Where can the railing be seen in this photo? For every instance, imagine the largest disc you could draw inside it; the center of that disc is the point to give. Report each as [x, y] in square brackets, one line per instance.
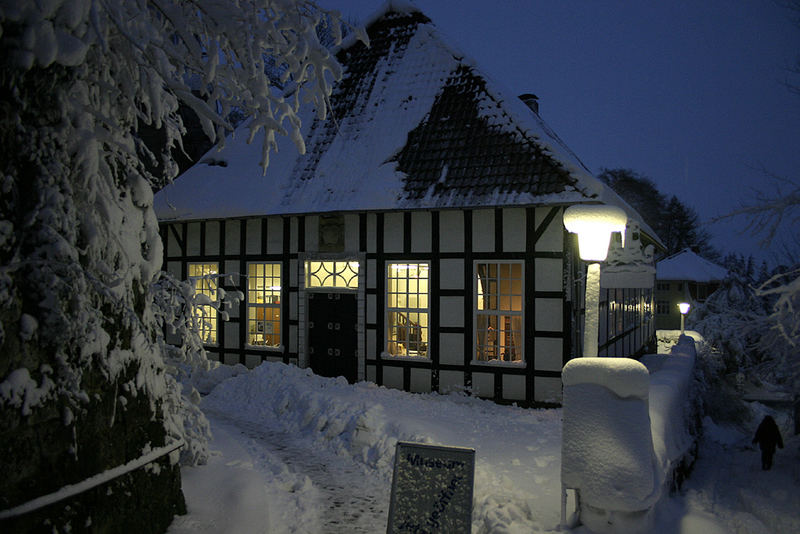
[70, 490]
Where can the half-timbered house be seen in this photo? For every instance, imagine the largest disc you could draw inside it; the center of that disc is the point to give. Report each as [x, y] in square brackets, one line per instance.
[418, 243]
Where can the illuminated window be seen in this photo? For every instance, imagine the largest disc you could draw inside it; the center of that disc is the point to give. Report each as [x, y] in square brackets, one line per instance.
[204, 278]
[264, 304]
[407, 309]
[498, 313]
[341, 274]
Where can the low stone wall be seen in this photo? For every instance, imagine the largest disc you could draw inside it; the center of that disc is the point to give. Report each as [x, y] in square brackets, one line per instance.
[629, 431]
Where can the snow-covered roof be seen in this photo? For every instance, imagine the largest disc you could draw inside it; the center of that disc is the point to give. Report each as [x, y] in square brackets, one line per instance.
[686, 265]
[414, 124]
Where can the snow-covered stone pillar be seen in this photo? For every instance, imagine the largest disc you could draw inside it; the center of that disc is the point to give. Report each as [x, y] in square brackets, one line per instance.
[607, 453]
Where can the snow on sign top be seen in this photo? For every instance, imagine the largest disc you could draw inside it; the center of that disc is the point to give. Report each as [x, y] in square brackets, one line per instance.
[413, 125]
[686, 265]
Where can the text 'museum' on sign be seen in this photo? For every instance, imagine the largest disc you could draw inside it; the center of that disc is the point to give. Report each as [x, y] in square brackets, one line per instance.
[431, 489]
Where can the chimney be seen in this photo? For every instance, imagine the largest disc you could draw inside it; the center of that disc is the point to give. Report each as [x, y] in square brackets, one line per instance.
[531, 100]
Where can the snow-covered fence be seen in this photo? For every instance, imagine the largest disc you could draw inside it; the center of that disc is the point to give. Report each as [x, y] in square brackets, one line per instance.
[627, 435]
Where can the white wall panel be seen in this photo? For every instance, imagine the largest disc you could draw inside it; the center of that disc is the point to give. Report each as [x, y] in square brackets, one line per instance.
[549, 353]
[514, 234]
[421, 231]
[451, 231]
[483, 231]
[451, 349]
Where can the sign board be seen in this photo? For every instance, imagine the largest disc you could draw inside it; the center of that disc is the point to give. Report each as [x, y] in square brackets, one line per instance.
[431, 489]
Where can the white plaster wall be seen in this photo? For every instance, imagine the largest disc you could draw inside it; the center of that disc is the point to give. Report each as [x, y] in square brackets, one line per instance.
[483, 384]
[173, 249]
[549, 273]
[253, 236]
[293, 233]
[275, 235]
[552, 240]
[193, 239]
[372, 315]
[174, 268]
[312, 233]
[451, 349]
[549, 353]
[547, 389]
[393, 377]
[294, 269]
[252, 360]
[421, 231]
[371, 232]
[451, 274]
[213, 356]
[231, 334]
[549, 315]
[371, 373]
[451, 231]
[293, 305]
[351, 232]
[371, 348]
[372, 275]
[393, 232]
[451, 311]
[451, 381]
[230, 359]
[483, 231]
[514, 387]
[232, 237]
[420, 380]
[514, 234]
[212, 237]
[292, 341]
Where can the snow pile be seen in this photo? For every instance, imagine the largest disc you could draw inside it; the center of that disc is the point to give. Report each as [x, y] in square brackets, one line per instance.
[516, 472]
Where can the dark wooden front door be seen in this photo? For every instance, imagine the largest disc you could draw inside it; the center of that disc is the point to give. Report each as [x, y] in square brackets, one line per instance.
[332, 340]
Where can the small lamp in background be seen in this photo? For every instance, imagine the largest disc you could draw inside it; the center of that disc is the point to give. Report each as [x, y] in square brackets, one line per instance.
[594, 224]
[684, 309]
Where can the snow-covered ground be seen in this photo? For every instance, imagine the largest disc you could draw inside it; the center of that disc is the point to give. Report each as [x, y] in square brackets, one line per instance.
[298, 453]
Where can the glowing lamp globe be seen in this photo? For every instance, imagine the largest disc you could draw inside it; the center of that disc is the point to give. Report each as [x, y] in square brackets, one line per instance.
[684, 308]
[594, 224]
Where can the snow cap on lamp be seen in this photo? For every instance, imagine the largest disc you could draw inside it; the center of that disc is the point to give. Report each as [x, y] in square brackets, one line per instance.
[594, 224]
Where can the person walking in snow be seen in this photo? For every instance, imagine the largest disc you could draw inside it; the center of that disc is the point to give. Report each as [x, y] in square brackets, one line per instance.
[768, 436]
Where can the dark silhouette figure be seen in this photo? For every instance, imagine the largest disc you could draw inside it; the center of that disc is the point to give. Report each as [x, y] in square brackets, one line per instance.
[768, 436]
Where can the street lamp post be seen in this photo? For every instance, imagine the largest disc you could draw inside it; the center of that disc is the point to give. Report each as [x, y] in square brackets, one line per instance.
[684, 309]
[594, 224]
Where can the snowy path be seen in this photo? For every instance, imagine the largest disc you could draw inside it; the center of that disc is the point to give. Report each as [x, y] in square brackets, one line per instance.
[347, 498]
[729, 483]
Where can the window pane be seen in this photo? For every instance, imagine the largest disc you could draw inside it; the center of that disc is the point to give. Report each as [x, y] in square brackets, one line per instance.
[498, 311]
[407, 309]
[264, 304]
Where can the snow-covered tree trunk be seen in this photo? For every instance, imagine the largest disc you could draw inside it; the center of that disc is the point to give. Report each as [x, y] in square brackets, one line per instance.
[83, 387]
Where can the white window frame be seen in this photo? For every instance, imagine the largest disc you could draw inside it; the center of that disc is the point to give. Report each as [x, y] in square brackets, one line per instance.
[253, 306]
[476, 313]
[407, 311]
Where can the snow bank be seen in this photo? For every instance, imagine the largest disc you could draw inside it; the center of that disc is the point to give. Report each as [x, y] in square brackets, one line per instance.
[515, 485]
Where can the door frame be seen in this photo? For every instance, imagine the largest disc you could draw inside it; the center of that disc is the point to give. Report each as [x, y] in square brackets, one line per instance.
[304, 360]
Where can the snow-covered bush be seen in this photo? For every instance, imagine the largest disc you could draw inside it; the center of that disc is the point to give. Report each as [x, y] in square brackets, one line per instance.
[177, 310]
